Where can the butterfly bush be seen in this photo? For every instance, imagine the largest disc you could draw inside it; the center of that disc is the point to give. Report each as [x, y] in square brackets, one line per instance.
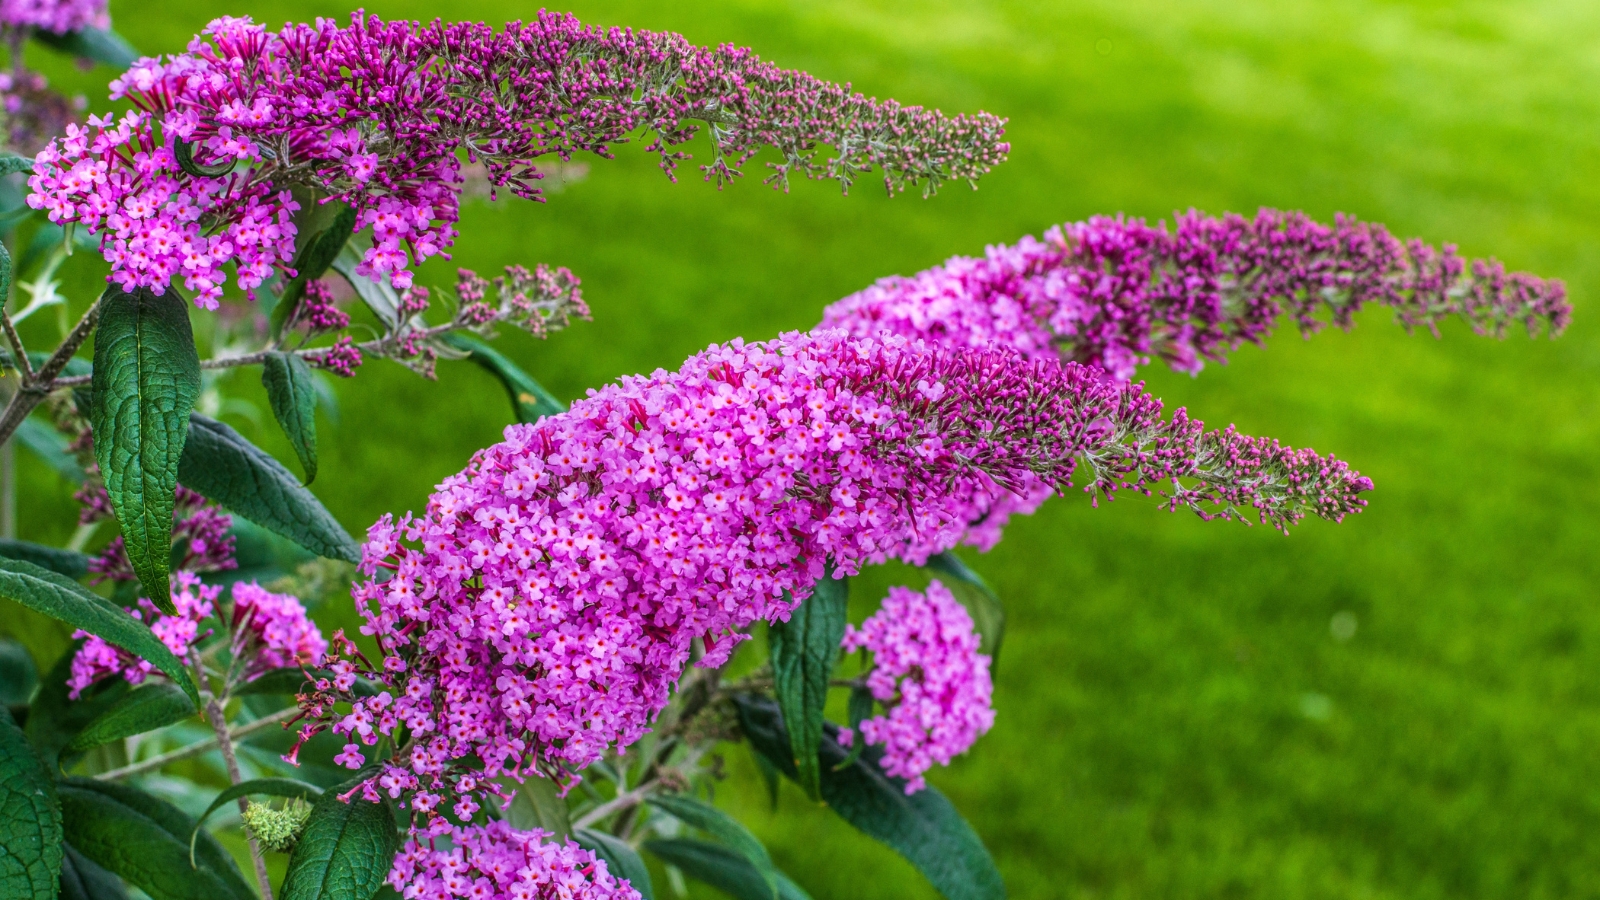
[54, 16]
[928, 673]
[206, 170]
[545, 603]
[199, 527]
[496, 862]
[272, 631]
[1110, 292]
[97, 658]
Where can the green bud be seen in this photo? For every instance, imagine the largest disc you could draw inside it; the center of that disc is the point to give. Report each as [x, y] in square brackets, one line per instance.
[277, 829]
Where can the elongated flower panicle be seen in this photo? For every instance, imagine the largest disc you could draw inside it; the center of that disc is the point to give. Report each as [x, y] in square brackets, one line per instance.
[927, 671]
[272, 631]
[373, 114]
[496, 862]
[54, 16]
[561, 577]
[1111, 292]
[97, 658]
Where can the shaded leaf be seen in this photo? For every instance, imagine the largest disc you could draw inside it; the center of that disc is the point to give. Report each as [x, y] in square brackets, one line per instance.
[537, 804]
[529, 399]
[860, 710]
[99, 44]
[30, 820]
[84, 879]
[11, 164]
[293, 681]
[969, 588]
[146, 378]
[18, 675]
[723, 869]
[724, 828]
[53, 718]
[312, 262]
[345, 851]
[145, 708]
[621, 859]
[220, 464]
[69, 563]
[803, 651]
[769, 777]
[923, 827]
[45, 443]
[145, 840]
[59, 597]
[293, 395]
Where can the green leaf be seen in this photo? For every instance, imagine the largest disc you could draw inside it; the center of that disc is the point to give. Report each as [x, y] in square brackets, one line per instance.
[220, 464]
[377, 295]
[312, 262]
[11, 164]
[146, 378]
[145, 840]
[860, 710]
[723, 869]
[18, 675]
[803, 650]
[293, 395]
[145, 708]
[969, 588]
[53, 718]
[58, 597]
[293, 681]
[922, 827]
[98, 44]
[51, 448]
[83, 879]
[621, 859]
[69, 563]
[345, 851]
[272, 787]
[537, 804]
[30, 819]
[724, 828]
[529, 399]
[769, 777]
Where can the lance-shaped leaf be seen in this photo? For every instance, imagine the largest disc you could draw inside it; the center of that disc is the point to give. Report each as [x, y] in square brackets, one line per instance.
[621, 859]
[292, 391]
[70, 563]
[145, 708]
[11, 164]
[54, 718]
[803, 651]
[99, 44]
[145, 840]
[18, 675]
[537, 804]
[377, 295]
[146, 378]
[30, 820]
[345, 851]
[971, 591]
[723, 869]
[45, 443]
[724, 828]
[84, 879]
[220, 464]
[923, 827]
[313, 260]
[61, 598]
[529, 399]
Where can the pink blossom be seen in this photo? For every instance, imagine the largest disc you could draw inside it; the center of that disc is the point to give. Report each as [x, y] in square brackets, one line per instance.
[97, 659]
[54, 16]
[272, 631]
[928, 673]
[495, 862]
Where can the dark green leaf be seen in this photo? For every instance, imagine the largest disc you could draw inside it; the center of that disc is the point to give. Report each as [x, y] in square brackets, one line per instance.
[18, 675]
[54, 718]
[293, 396]
[345, 851]
[922, 827]
[11, 164]
[272, 787]
[45, 443]
[529, 399]
[313, 260]
[183, 152]
[803, 651]
[536, 804]
[98, 44]
[145, 708]
[724, 828]
[969, 588]
[145, 840]
[30, 820]
[723, 869]
[58, 597]
[83, 879]
[219, 463]
[146, 378]
[860, 711]
[621, 860]
[293, 681]
[769, 777]
[70, 563]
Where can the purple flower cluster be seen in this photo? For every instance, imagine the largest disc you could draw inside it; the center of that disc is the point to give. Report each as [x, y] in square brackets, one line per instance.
[556, 584]
[1110, 292]
[32, 112]
[272, 631]
[54, 16]
[374, 113]
[495, 862]
[199, 529]
[928, 673]
[97, 659]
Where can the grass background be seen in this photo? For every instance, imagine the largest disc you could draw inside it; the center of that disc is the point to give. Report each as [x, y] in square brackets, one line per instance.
[1175, 717]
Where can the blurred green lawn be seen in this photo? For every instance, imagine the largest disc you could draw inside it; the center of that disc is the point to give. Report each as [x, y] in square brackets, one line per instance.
[1176, 718]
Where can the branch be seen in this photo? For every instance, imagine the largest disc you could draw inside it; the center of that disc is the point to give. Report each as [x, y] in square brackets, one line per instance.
[37, 386]
[198, 747]
[17, 350]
